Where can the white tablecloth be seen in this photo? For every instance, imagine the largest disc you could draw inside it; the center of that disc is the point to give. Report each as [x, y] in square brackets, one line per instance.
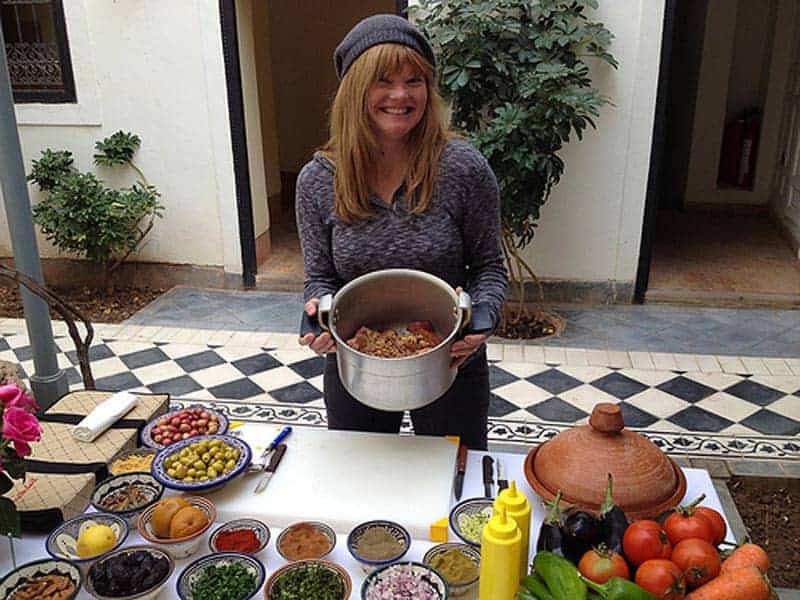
[32, 547]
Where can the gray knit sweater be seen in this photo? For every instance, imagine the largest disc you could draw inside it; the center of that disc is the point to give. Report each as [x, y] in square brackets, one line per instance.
[457, 238]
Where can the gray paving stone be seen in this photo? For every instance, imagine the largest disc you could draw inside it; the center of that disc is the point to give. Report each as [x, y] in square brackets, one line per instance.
[755, 468]
[738, 529]
[716, 468]
[791, 468]
[787, 594]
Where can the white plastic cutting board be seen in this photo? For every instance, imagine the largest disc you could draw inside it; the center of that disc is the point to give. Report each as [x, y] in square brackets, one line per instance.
[344, 478]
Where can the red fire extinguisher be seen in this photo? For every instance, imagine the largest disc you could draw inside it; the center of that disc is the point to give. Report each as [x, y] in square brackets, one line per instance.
[737, 163]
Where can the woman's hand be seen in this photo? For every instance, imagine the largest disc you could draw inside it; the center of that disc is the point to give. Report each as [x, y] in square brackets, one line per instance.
[462, 349]
[323, 343]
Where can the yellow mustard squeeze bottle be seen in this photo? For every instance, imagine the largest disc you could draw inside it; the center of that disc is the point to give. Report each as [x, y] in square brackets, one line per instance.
[501, 544]
[519, 509]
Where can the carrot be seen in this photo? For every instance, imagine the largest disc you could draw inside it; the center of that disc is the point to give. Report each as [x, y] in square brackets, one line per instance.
[747, 583]
[747, 555]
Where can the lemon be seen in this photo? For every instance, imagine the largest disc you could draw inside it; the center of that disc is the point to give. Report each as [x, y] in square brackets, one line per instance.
[95, 540]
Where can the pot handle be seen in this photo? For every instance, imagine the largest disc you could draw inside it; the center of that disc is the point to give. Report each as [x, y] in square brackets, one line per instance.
[319, 321]
[464, 310]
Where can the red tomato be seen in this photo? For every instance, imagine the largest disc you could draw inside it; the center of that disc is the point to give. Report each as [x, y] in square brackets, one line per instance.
[645, 540]
[600, 565]
[716, 520]
[662, 578]
[682, 525]
[698, 560]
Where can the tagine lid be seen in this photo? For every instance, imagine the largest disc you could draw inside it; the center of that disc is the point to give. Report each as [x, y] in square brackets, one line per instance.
[577, 461]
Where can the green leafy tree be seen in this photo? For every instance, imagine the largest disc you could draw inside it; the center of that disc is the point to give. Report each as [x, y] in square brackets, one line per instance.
[79, 214]
[516, 76]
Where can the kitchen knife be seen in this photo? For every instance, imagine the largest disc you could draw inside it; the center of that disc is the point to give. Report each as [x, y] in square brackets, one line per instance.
[502, 482]
[461, 467]
[269, 471]
[487, 475]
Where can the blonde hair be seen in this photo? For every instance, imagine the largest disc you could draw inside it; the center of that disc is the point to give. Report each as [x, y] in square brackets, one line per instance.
[352, 145]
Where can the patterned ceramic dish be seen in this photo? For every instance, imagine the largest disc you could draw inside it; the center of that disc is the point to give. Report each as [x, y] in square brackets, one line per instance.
[147, 594]
[27, 573]
[177, 547]
[395, 530]
[117, 465]
[194, 571]
[147, 431]
[431, 578]
[273, 583]
[63, 540]
[159, 468]
[320, 527]
[472, 553]
[144, 484]
[258, 527]
[467, 509]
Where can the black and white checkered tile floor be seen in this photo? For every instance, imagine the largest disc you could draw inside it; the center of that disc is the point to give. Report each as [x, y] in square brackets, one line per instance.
[697, 413]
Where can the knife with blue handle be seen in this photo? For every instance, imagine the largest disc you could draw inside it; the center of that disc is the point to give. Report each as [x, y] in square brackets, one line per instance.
[278, 439]
[269, 470]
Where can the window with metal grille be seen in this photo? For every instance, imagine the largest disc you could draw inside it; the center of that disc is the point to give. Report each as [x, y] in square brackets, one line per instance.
[37, 50]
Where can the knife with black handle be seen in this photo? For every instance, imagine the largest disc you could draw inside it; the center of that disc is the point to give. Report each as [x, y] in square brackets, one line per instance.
[461, 468]
[488, 469]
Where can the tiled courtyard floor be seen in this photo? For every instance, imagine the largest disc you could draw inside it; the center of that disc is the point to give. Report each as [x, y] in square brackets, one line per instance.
[711, 405]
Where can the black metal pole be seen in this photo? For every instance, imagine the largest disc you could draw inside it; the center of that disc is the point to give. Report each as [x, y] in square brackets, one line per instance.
[48, 383]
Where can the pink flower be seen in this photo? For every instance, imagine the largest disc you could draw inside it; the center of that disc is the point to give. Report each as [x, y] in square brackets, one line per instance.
[23, 449]
[12, 395]
[20, 426]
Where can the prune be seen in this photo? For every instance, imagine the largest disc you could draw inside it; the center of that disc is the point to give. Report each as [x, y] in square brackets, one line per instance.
[128, 574]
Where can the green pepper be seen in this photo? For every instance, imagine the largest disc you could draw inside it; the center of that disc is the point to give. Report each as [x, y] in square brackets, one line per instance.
[524, 594]
[535, 584]
[560, 575]
[618, 588]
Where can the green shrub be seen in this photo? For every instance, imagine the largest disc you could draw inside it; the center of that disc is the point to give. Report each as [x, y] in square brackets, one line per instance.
[79, 214]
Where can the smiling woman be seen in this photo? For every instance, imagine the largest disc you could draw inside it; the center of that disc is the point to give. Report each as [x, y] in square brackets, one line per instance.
[395, 188]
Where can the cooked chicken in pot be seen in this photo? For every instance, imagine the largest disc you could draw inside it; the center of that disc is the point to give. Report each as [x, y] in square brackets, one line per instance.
[418, 337]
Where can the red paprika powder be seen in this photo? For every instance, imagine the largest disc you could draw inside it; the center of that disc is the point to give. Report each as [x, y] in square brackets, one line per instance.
[237, 540]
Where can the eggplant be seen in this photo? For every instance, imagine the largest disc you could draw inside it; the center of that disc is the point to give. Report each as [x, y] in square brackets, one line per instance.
[582, 531]
[612, 520]
[551, 537]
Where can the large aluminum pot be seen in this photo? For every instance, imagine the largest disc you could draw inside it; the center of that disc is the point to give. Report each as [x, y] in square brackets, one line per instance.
[391, 299]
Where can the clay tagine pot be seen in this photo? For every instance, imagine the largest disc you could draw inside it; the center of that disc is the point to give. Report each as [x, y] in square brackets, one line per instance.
[577, 461]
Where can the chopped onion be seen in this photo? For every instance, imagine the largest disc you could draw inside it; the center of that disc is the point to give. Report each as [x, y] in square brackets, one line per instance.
[403, 581]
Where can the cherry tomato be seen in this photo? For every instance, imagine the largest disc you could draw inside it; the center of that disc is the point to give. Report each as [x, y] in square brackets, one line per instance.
[662, 578]
[601, 564]
[698, 560]
[717, 522]
[682, 525]
[645, 540]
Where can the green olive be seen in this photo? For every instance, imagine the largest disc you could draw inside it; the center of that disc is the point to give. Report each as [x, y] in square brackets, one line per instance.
[212, 473]
[172, 473]
[230, 465]
[181, 471]
[191, 472]
[188, 479]
[206, 458]
[215, 443]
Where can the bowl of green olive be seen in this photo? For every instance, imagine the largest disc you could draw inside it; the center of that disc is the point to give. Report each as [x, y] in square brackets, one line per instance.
[201, 463]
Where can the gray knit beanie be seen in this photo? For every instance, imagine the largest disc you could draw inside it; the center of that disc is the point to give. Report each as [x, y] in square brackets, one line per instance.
[379, 29]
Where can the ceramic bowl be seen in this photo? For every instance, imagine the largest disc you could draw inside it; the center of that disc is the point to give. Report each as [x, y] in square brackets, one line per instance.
[261, 530]
[159, 468]
[319, 526]
[177, 547]
[274, 581]
[141, 451]
[436, 583]
[62, 541]
[472, 553]
[195, 570]
[145, 483]
[147, 594]
[23, 574]
[147, 431]
[396, 530]
[468, 507]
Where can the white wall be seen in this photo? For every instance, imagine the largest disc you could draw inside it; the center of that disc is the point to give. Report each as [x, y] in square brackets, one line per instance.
[591, 226]
[155, 68]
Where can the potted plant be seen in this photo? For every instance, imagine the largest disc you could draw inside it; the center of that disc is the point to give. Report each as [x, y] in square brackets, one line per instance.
[517, 77]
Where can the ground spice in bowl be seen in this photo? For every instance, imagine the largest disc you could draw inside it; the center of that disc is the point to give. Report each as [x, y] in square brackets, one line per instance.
[237, 540]
[457, 567]
[46, 587]
[377, 543]
[302, 541]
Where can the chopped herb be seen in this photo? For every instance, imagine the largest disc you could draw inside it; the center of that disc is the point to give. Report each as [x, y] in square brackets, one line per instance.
[226, 582]
[310, 581]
